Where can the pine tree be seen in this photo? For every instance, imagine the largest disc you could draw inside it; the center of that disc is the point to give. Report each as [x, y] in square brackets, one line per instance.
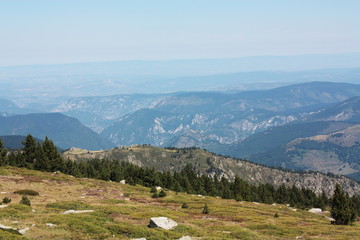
[340, 207]
[29, 151]
[3, 153]
[206, 209]
[55, 162]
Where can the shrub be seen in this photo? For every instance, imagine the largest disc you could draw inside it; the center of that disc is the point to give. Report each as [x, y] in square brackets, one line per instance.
[27, 192]
[153, 189]
[6, 200]
[162, 193]
[24, 200]
[185, 205]
[276, 215]
[69, 205]
[155, 195]
[206, 209]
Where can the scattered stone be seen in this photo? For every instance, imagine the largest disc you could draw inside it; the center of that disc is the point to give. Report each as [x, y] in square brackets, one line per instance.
[3, 206]
[162, 222]
[3, 192]
[15, 222]
[123, 182]
[33, 210]
[33, 225]
[186, 238]
[330, 219]
[158, 188]
[315, 210]
[138, 239]
[228, 232]
[50, 225]
[6, 227]
[23, 231]
[288, 205]
[274, 204]
[256, 203]
[79, 211]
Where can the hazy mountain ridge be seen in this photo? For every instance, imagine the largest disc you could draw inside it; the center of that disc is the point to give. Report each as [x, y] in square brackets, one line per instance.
[225, 118]
[65, 131]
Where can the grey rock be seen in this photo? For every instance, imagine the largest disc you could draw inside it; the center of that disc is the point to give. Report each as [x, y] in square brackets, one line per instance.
[162, 222]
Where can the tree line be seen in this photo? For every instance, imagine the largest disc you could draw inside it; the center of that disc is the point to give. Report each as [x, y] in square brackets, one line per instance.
[45, 157]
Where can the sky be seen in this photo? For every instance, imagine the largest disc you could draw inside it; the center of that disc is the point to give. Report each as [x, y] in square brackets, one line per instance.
[70, 31]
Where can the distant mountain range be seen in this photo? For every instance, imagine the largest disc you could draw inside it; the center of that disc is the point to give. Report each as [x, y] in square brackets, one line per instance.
[208, 119]
[291, 127]
[65, 131]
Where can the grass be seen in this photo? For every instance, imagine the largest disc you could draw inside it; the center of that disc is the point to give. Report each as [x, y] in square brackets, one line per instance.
[123, 212]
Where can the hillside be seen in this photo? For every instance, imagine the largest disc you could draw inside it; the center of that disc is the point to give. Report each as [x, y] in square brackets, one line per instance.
[336, 152]
[348, 110]
[118, 211]
[65, 131]
[205, 162]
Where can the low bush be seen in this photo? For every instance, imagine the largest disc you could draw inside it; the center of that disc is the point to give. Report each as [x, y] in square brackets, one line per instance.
[6, 200]
[24, 200]
[69, 205]
[27, 192]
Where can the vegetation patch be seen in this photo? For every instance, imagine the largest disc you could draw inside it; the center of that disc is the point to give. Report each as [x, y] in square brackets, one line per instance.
[27, 192]
[69, 205]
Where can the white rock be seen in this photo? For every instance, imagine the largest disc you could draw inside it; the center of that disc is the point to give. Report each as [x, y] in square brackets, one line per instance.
[6, 227]
[274, 204]
[15, 222]
[315, 210]
[3, 206]
[186, 238]
[50, 225]
[79, 211]
[23, 231]
[138, 239]
[123, 182]
[158, 188]
[256, 203]
[330, 219]
[3, 192]
[162, 222]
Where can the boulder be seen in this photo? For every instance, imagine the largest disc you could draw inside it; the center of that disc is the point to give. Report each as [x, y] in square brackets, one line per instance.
[162, 222]
[186, 238]
[315, 210]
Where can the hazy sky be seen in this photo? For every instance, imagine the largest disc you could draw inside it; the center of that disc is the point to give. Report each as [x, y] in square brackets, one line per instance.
[66, 31]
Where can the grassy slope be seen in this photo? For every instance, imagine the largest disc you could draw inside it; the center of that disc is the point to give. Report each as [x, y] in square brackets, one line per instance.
[123, 212]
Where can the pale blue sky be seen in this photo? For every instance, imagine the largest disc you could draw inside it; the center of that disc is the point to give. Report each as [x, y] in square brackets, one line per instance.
[66, 31]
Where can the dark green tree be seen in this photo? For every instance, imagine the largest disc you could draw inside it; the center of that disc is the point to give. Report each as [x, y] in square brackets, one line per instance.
[340, 207]
[3, 153]
[30, 150]
[206, 209]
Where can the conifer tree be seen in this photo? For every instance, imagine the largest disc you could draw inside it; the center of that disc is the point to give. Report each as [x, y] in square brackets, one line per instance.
[340, 207]
[206, 209]
[3, 153]
[29, 151]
